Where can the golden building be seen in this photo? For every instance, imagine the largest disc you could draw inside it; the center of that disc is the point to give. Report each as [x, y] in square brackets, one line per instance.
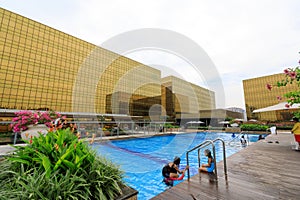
[184, 100]
[43, 68]
[258, 96]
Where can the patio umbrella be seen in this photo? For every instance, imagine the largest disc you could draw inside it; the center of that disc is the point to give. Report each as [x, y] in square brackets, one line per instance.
[224, 122]
[195, 122]
[234, 125]
[237, 119]
[279, 106]
[252, 120]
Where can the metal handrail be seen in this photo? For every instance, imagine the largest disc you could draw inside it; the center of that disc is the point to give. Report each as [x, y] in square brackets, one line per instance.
[224, 154]
[204, 144]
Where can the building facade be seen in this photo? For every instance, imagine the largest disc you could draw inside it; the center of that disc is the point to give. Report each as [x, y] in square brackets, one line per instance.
[258, 96]
[183, 100]
[43, 68]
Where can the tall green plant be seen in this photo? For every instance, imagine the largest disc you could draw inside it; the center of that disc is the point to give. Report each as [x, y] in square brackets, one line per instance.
[50, 162]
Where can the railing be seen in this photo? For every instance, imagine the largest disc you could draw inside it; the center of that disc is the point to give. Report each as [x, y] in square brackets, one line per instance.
[205, 144]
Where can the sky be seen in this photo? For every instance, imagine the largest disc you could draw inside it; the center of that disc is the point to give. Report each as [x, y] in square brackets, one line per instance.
[243, 38]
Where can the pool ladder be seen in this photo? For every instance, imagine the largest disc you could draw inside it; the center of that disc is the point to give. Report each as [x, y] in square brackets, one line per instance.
[205, 144]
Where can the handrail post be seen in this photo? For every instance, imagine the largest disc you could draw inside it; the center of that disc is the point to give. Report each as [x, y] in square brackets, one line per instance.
[224, 154]
[224, 158]
[187, 163]
[215, 158]
[199, 160]
[15, 137]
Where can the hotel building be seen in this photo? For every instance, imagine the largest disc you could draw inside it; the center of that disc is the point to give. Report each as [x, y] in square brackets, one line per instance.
[258, 96]
[183, 100]
[45, 69]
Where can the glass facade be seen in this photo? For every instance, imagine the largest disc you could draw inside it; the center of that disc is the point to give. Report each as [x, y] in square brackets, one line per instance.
[184, 99]
[43, 68]
[258, 96]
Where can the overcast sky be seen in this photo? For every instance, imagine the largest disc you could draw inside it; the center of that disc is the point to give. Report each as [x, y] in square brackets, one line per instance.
[243, 38]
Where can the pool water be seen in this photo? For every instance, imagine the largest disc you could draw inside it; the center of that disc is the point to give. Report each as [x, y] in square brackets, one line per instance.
[142, 159]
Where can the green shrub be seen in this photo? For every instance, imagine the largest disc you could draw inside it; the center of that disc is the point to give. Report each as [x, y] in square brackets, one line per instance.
[58, 166]
[253, 127]
[168, 125]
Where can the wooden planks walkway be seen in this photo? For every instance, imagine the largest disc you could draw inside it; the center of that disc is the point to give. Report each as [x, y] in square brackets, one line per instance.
[261, 171]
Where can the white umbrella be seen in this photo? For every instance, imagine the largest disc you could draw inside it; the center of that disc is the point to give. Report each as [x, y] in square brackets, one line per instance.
[195, 122]
[224, 122]
[234, 125]
[237, 119]
[252, 120]
[279, 106]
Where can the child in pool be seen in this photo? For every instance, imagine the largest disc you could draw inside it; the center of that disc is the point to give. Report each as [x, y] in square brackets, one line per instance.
[210, 166]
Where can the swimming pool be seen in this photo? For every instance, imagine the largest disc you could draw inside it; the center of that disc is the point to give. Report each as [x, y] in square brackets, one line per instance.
[143, 158]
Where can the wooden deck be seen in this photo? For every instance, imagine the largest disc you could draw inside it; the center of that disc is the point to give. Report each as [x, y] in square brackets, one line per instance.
[261, 171]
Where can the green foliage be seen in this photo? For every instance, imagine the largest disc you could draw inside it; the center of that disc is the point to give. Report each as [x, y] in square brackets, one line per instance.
[168, 125]
[58, 166]
[253, 127]
[297, 114]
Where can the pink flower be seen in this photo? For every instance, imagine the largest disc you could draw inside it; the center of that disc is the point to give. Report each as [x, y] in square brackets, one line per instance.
[292, 98]
[286, 71]
[293, 74]
[25, 118]
[269, 86]
[287, 105]
[279, 98]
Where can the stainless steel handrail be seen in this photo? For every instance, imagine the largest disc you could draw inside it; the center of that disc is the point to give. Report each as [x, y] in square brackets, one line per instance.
[224, 154]
[205, 144]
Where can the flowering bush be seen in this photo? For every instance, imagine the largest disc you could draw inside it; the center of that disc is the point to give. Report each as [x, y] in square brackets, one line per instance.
[291, 75]
[27, 117]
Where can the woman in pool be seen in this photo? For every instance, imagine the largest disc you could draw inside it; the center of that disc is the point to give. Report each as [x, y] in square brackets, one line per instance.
[172, 169]
[210, 166]
[170, 172]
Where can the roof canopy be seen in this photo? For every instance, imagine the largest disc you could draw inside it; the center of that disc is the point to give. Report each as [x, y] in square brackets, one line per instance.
[279, 106]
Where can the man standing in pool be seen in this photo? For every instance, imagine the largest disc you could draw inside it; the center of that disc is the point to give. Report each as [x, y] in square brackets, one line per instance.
[210, 166]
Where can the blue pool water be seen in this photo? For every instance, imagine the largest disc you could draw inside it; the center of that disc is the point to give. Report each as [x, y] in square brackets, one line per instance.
[143, 158]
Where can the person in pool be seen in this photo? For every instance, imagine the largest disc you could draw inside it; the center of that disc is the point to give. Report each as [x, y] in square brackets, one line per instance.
[210, 166]
[172, 169]
[171, 172]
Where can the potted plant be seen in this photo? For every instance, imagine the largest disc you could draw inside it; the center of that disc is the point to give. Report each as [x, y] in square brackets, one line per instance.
[29, 123]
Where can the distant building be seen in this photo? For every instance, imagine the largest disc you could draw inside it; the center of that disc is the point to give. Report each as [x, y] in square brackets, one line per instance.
[183, 100]
[258, 96]
[239, 110]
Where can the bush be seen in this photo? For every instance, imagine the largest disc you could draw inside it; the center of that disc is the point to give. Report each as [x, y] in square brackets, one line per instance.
[253, 127]
[58, 166]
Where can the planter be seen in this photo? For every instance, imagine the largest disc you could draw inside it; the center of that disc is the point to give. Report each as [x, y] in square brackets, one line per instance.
[34, 130]
[128, 193]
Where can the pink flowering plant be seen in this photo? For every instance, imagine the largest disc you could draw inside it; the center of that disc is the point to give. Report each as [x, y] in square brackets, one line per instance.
[26, 117]
[292, 76]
